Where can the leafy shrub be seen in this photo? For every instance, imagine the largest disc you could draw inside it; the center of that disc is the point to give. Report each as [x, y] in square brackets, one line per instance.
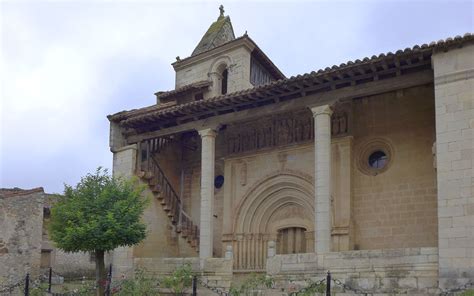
[140, 285]
[311, 289]
[469, 292]
[253, 283]
[39, 290]
[180, 280]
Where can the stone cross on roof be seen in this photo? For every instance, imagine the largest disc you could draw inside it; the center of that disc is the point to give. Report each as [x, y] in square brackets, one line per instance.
[219, 32]
[221, 9]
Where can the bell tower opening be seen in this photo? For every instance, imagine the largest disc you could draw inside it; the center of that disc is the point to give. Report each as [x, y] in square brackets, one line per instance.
[225, 75]
[291, 240]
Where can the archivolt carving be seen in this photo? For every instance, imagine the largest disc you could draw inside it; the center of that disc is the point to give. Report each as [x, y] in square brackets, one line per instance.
[284, 190]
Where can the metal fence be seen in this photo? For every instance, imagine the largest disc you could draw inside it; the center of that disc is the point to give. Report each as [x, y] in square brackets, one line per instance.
[26, 285]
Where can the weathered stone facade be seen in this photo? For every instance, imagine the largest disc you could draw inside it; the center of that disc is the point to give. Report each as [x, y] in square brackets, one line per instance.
[336, 166]
[24, 243]
[21, 218]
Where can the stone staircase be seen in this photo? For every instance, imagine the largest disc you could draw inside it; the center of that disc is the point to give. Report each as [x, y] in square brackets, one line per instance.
[149, 171]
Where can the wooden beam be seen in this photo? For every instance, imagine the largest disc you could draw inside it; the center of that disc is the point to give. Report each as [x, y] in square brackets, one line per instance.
[350, 92]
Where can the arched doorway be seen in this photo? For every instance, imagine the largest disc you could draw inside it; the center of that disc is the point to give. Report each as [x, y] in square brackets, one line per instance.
[279, 208]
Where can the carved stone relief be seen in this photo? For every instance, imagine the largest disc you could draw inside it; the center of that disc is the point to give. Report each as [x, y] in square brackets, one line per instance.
[341, 120]
[282, 129]
[277, 130]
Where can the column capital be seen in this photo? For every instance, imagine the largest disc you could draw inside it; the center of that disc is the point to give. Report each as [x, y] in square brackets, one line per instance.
[208, 132]
[322, 109]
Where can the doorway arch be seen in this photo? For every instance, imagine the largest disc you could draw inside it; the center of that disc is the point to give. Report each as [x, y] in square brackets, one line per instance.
[282, 200]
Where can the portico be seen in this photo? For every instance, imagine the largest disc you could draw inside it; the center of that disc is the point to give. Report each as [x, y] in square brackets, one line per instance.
[248, 167]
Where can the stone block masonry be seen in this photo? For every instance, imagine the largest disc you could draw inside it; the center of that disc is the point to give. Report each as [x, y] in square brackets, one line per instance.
[216, 272]
[454, 102]
[411, 271]
[21, 220]
[25, 246]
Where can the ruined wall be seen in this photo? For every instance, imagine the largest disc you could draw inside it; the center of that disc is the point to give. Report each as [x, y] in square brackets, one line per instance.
[21, 220]
[397, 207]
[72, 265]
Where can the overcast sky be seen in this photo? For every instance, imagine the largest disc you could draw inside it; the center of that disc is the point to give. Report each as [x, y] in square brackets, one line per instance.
[66, 65]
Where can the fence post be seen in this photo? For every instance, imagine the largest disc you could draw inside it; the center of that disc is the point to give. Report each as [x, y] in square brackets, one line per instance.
[49, 279]
[194, 285]
[27, 284]
[328, 284]
[109, 280]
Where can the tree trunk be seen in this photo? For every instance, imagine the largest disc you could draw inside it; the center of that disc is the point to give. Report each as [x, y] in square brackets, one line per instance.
[100, 273]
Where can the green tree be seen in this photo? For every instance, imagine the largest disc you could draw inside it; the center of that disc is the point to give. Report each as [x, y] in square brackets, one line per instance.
[98, 215]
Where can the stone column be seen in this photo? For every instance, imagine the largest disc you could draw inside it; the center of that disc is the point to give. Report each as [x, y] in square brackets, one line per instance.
[322, 177]
[208, 137]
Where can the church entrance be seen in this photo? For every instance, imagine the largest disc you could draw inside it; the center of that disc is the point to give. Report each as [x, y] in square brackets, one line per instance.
[291, 240]
[278, 209]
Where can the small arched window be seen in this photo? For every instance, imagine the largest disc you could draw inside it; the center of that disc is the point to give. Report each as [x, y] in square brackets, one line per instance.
[224, 82]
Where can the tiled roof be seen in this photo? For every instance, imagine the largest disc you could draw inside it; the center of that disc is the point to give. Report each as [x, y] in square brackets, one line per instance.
[190, 87]
[125, 114]
[157, 112]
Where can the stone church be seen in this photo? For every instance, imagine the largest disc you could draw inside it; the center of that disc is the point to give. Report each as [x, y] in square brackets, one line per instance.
[364, 168]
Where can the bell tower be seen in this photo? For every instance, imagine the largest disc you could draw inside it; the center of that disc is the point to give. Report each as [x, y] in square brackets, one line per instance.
[219, 65]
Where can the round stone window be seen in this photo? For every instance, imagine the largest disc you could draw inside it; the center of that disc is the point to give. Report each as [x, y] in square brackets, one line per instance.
[374, 156]
[378, 159]
[219, 181]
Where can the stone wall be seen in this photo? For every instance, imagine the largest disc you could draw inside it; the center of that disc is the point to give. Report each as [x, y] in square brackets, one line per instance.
[412, 271]
[72, 265]
[454, 96]
[216, 271]
[24, 241]
[265, 192]
[124, 163]
[69, 265]
[162, 240]
[237, 61]
[397, 207]
[21, 220]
